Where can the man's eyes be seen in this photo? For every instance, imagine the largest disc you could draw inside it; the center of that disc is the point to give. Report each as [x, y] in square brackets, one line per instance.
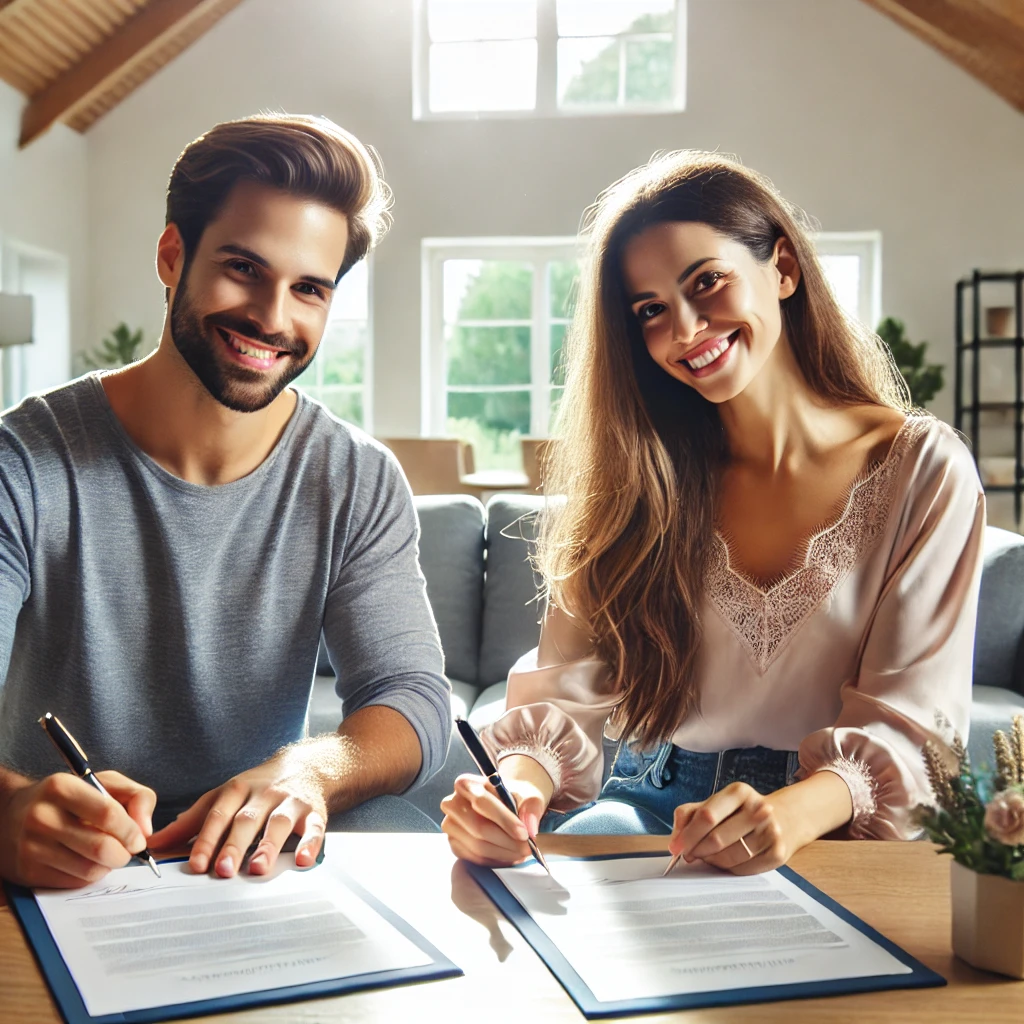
[248, 270]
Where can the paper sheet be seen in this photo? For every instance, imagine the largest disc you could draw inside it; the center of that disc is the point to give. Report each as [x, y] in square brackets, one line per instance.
[630, 934]
[134, 941]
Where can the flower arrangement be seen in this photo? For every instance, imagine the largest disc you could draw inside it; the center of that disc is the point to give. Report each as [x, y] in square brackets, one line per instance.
[979, 816]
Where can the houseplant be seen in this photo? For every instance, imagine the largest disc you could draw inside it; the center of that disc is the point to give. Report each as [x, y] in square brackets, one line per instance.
[119, 349]
[978, 818]
[924, 381]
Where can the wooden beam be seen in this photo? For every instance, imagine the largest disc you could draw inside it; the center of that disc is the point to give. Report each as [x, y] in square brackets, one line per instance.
[134, 40]
[983, 37]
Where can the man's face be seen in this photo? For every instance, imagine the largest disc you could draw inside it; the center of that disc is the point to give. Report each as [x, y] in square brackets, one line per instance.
[250, 306]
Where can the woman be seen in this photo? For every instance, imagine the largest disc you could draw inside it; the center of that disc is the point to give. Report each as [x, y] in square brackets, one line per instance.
[762, 582]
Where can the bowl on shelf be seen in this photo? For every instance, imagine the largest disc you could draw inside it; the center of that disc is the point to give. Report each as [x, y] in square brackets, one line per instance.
[999, 321]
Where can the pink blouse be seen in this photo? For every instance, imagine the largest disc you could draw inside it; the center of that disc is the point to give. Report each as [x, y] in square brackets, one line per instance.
[852, 659]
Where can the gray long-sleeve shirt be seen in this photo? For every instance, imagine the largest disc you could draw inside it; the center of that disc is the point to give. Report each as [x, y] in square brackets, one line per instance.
[174, 627]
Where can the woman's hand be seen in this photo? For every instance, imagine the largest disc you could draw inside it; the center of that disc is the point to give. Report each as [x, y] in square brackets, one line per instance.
[772, 828]
[481, 829]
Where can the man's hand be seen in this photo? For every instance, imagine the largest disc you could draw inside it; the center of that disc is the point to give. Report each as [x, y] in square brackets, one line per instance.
[281, 796]
[61, 833]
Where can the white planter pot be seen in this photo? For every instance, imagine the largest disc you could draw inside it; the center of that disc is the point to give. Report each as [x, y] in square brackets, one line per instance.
[988, 920]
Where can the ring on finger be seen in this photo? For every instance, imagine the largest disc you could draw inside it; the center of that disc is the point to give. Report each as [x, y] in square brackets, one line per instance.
[743, 843]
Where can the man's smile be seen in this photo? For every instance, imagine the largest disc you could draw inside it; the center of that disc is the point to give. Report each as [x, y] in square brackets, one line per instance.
[248, 352]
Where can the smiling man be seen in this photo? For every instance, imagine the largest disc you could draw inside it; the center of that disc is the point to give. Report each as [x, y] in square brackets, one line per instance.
[175, 535]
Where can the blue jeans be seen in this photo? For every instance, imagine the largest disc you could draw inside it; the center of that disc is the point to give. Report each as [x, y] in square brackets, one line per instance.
[642, 789]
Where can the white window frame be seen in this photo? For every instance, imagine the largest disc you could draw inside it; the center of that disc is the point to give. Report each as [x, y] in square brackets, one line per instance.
[538, 251]
[547, 74]
[868, 246]
[366, 388]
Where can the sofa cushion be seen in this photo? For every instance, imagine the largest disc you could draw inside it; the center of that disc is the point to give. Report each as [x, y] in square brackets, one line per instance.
[452, 559]
[489, 706]
[991, 708]
[512, 611]
[1000, 612]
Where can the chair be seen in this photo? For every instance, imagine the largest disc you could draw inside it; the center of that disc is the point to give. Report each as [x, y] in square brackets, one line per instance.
[432, 465]
[536, 451]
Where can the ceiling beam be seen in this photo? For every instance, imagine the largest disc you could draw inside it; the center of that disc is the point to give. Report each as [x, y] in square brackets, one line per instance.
[984, 37]
[137, 37]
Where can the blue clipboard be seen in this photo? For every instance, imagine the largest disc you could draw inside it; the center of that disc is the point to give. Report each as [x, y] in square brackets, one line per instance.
[595, 1009]
[73, 1010]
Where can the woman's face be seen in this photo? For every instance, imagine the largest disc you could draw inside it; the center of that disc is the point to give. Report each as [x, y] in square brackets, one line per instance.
[709, 312]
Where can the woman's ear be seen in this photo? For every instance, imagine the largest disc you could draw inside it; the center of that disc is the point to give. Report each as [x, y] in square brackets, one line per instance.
[170, 256]
[785, 262]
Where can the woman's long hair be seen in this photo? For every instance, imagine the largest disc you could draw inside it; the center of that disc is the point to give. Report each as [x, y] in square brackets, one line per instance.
[640, 453]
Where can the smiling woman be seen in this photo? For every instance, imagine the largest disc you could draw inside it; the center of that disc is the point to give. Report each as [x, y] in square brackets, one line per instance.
[763, 565]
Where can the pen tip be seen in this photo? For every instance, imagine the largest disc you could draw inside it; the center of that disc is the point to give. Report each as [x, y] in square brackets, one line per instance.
[152, 864]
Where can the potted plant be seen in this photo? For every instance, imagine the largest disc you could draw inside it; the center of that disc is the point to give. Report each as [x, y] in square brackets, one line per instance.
[924, 381]
[978, 818]
[119, 349]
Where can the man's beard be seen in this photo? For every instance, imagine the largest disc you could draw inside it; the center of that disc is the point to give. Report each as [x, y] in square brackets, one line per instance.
[234, 386]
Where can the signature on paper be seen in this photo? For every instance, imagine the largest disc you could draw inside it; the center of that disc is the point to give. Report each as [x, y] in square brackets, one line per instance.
[119, 890]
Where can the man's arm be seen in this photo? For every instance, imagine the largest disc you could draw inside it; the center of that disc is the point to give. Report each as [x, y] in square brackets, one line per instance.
[374, 751]
[383, 643]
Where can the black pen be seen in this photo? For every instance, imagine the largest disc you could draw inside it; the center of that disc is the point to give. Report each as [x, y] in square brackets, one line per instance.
[79, 764]
[487, 767]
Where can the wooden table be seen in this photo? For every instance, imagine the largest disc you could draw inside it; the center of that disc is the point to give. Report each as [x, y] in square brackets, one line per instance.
[902, 889]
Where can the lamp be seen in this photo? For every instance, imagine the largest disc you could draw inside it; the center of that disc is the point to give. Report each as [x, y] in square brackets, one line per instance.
[15, 319]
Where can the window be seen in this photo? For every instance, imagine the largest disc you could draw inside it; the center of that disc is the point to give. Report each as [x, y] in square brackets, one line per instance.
[501, 58]
[852, 262]
[339, 374]
[496, 312]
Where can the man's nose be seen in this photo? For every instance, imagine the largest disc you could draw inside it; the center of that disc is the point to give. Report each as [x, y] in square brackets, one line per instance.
[269, 310]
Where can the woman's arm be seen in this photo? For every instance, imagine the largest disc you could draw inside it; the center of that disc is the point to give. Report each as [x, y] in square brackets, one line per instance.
[865, 774]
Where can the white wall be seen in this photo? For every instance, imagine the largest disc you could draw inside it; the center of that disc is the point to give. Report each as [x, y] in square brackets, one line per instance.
[852, 117]
[44, 206]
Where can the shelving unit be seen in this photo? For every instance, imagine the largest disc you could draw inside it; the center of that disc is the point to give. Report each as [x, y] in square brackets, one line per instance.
[971, 346]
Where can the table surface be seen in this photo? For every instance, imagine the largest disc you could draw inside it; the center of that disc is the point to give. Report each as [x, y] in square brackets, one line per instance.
[902, 889]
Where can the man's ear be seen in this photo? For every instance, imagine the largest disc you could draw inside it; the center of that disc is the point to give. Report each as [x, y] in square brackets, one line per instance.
[785, 261]
[170, 256]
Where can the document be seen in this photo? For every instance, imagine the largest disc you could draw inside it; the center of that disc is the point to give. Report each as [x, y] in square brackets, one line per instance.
[631, 934]
[133, 941]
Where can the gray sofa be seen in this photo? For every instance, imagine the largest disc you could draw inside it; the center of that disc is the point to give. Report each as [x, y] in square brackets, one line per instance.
[484, 595]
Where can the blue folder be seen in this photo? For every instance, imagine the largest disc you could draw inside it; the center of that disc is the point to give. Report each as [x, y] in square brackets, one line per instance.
[73, 1010]
[595, 1009]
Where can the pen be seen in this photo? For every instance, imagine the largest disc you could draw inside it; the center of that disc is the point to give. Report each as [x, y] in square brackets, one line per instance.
[487, 767]
[79, 764]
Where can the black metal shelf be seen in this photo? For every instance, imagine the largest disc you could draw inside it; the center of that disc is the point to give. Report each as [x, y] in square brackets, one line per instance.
[970, 345]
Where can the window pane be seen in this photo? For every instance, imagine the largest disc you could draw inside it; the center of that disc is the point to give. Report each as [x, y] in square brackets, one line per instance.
[483, 76]
[562, 276]
[843, 274]
[488, 355]
[487, 290]
[588, 71]
[352, 296]
[453, 20]
[343, 352]
[346, 404]
[557, 341]
[610, 17]
[554, 408]
[493, 423]
[649, 71]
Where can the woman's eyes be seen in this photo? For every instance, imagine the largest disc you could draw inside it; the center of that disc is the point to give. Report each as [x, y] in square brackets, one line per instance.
[707, 279]
[649, 312]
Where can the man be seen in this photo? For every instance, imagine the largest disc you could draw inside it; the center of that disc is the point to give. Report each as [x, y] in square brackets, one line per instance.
[175, 535]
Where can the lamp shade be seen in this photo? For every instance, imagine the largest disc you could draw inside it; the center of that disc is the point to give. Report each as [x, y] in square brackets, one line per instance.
[15, 319]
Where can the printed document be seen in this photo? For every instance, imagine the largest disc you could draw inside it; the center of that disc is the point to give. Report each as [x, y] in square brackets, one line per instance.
[133, 941]
[630, 934]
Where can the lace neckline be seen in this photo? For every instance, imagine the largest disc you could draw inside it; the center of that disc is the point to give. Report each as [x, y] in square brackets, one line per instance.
[764, 618]
[832, 522]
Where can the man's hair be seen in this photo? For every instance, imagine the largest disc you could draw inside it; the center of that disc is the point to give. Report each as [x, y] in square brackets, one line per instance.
[305, 156]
